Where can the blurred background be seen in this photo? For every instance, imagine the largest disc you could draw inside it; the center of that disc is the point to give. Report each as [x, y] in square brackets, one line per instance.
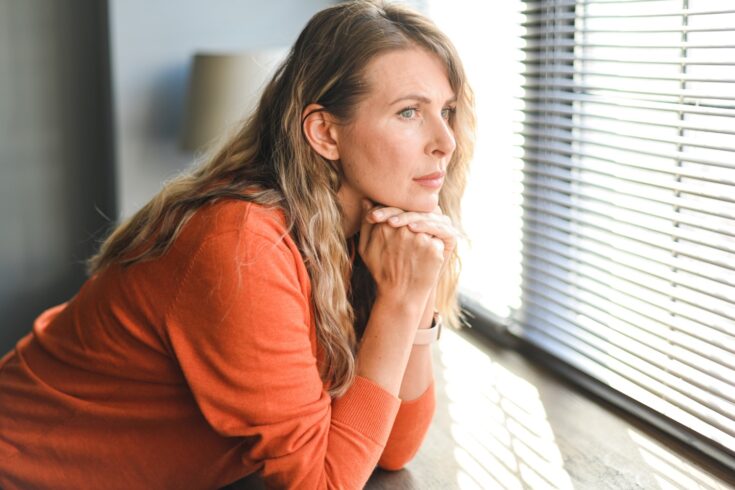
[92, 111]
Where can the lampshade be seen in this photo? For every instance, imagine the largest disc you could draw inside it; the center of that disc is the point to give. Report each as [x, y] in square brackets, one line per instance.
[223, 90]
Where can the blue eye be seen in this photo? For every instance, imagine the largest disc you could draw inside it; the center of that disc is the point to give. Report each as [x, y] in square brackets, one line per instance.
[448, 112]
[408, 113]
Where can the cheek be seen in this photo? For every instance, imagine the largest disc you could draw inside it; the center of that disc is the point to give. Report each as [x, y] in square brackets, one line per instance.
[362, 154]
[392, 150]
[380, 163]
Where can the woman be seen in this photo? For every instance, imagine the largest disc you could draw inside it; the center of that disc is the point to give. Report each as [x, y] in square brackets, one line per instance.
[272, 310]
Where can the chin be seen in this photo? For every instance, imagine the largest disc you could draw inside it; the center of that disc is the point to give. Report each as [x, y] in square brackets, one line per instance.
[425, 205]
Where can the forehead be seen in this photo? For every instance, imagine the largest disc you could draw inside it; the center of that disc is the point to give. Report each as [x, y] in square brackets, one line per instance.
[408, 71]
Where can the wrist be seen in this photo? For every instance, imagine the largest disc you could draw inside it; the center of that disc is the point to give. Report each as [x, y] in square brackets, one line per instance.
[406, 305]
[415, 298]
[429, 310]
[426, 336]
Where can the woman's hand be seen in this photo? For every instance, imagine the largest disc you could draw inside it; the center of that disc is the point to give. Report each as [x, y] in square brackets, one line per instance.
[435, 224]
[404, 261]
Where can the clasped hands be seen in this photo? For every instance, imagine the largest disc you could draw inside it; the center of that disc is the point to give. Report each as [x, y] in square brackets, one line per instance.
[405, 251]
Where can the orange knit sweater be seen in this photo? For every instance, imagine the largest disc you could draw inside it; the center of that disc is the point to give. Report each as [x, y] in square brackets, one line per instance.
[192, 371]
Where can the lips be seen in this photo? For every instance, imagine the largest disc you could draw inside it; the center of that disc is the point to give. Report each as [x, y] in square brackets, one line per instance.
[432, 176]
[433, 180]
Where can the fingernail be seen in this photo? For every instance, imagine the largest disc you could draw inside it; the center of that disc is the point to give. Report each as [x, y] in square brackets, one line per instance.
[377, 214]
[394, 219]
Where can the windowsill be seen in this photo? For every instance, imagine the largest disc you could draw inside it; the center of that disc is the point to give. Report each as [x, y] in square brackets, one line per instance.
[504, 421]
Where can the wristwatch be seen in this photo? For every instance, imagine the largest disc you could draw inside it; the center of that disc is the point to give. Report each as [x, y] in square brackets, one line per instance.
[428, 335]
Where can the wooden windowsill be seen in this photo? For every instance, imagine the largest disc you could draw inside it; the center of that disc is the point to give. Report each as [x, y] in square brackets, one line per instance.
[503, 421]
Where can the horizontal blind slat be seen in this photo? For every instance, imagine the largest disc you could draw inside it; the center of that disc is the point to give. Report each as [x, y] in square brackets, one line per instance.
[597, 199]
[550, 184]
[562, 229]
[716, 418]
[558, 97]
[534, 32]
[720, 345]
[652, 237]
[626, 381]
[562, 132]
[541, 205]
[568, 14]
[674, 186]
[569, 124]
[582, 88]
[547, 43]
[659, 350]
[659, 286]
[666, 169]
[545, 72]
[538, 5]
[552, 58]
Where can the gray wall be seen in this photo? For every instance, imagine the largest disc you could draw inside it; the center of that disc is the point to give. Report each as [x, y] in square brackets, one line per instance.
[91, 97]
[55, 158]
[152, 43]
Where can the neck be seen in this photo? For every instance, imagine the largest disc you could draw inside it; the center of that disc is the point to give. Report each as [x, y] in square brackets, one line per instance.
[352, 212]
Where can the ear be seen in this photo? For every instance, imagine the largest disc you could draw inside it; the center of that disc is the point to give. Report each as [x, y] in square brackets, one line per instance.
[320, 131]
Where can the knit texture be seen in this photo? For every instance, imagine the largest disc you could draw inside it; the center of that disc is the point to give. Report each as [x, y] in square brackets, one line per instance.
[194, 370]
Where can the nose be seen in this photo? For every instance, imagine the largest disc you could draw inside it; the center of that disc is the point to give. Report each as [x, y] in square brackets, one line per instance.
[441, 138]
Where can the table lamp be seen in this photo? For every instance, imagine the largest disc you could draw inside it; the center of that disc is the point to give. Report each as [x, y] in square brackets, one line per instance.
[223, 91]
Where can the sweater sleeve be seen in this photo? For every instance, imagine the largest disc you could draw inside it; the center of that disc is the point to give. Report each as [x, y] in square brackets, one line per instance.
[239, 330]
[409, 430]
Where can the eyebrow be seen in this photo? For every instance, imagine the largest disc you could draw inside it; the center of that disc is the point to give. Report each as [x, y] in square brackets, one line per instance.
[421, 98]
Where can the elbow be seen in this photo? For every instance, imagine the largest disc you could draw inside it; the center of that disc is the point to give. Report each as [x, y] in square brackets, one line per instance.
[391, 465]
[394, 462]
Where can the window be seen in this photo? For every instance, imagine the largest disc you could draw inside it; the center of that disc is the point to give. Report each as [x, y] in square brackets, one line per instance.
[488, 39]
[604, 224]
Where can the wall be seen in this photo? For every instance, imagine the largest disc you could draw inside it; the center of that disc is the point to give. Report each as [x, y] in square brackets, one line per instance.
[152, 47]
[55, 159]
[91, 97]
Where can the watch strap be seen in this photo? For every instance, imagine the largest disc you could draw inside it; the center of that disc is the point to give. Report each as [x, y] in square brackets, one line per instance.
[426, 336]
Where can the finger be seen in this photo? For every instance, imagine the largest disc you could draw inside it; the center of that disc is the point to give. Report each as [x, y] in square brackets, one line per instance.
[410, 217]
[381, 214]
[445, 218]
[439, 231]
[366, 206]
[435, 228]
[439, 212]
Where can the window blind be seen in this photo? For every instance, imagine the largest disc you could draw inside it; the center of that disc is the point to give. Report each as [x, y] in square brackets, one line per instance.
[629, 202]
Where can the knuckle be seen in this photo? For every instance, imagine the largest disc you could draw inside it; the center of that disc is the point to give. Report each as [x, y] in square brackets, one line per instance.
[422, 238]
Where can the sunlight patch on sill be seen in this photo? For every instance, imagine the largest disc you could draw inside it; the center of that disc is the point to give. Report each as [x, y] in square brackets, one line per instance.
[498, 424]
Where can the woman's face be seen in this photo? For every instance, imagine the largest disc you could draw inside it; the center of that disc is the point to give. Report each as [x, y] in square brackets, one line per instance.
[396, 148]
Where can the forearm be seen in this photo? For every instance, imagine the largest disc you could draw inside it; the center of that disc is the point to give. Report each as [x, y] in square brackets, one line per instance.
[416, 412]
[387, 343]
[419, 372]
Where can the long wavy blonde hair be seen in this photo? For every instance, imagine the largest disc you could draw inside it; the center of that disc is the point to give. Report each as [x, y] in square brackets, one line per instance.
[269, 162]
